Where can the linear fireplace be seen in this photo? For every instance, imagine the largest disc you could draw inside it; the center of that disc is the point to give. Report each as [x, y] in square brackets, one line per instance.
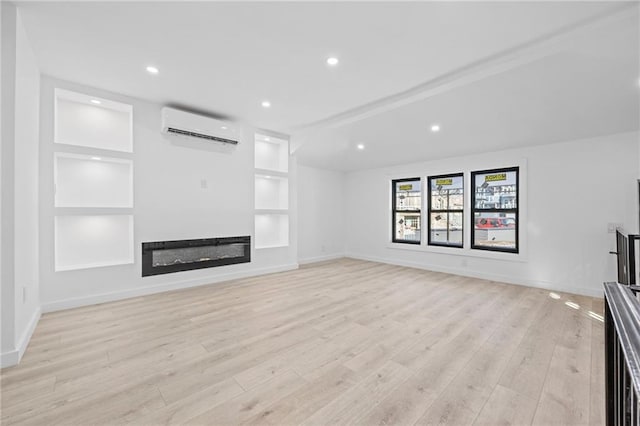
[164, 257]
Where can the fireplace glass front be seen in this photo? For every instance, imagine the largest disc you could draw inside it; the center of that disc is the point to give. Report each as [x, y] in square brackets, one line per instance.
[164, 257]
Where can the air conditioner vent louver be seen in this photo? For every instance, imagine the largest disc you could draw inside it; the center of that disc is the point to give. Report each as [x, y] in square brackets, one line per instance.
[189, 125]
[200, 135]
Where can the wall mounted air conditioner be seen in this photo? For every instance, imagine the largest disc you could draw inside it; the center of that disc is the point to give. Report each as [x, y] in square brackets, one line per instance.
[182, 123]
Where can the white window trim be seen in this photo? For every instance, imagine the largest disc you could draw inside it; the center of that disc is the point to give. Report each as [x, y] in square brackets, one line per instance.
[466, 250]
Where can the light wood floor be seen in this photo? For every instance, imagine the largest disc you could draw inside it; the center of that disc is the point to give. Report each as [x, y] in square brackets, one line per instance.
[340, 342]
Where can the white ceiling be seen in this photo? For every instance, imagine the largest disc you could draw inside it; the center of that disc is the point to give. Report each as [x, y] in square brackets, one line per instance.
[225, 58]
[588, 90]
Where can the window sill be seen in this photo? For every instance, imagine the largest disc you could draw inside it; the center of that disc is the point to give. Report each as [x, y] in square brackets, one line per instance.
[456, 251]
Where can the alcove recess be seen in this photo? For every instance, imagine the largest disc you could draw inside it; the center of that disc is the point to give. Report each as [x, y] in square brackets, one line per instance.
[271, 192]
[93, 181]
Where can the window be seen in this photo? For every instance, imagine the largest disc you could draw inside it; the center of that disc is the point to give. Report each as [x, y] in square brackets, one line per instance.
[406, 202]
[495, 210]
[446, 203]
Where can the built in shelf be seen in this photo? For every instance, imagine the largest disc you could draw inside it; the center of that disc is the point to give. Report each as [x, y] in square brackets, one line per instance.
[92, 211]
[92, 241]
[271, 154]
[271, 230]
[90, 121]
[271, 192]
[92, 181]
[271, 173]
[272, 211]
[93, 195]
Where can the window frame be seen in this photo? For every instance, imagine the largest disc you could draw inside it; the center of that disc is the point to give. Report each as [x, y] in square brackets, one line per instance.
[447, 211]
[515, 210]
[394, 211]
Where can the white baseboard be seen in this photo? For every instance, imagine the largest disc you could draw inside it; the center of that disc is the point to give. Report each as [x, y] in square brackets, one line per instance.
[59, 305]
[26, 336]
[483, 275]
[7, 359]
[324, 258]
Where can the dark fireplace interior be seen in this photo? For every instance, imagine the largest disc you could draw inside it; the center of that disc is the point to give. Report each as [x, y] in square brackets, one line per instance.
[164, 257]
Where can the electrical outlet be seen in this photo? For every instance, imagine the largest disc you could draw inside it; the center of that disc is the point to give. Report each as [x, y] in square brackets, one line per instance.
[204, 184]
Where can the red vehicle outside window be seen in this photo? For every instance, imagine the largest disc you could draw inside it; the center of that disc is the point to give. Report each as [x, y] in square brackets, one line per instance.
[495, 222]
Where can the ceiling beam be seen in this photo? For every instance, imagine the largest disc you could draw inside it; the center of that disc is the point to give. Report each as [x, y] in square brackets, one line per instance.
[504, 61]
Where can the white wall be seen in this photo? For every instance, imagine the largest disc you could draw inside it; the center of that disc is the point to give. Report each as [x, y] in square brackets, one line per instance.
[20, 146]
[8, 53]
[27, 145]
[572, 190]
[169, 204]
[321, 213]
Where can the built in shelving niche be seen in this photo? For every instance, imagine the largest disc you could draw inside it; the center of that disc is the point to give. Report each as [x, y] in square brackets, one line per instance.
[271, 154]
[93, 181]
[93, 188]
[85, 241]
[272, 230]
[94, 122]
[271, 192]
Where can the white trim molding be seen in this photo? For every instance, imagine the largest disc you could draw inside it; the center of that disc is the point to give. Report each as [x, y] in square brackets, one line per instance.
[546, 285]
[10, 358]
[58, 305]
[316, 259]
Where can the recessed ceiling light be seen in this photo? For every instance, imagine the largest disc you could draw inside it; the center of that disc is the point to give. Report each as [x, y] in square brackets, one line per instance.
[435, 128]
[360, 146]
[266, 104]
[224, 127]
[267, 177]
[95, 101]
[152, 70]
[267, 138]
[96, 158]
[333, 61]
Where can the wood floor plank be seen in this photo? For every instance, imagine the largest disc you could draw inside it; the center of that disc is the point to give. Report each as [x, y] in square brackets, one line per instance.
[304, 402]
[463, 399]
[526, 370]
[506, 407]
[565, 397]
[120, 405]
[194, 405]
[91, 387]
[338, 342]
[358, 400]
[248, 404]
